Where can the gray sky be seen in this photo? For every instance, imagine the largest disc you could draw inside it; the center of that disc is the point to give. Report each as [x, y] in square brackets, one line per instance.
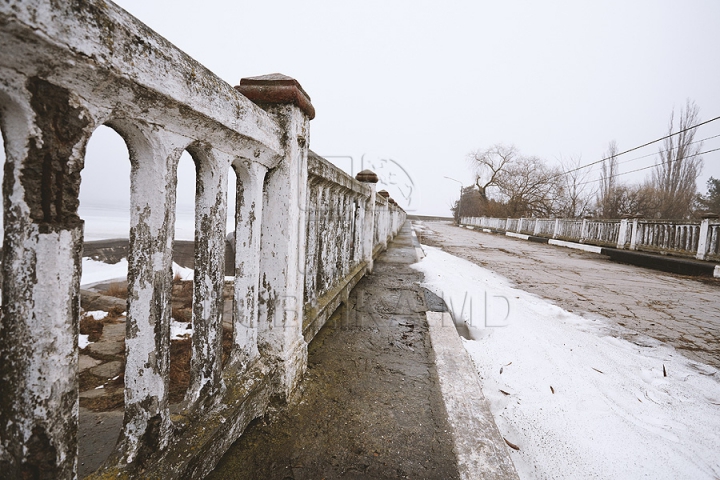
[423, 84]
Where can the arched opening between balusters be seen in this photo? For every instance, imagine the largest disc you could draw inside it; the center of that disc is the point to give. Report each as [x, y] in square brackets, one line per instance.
[181, 328]
[104, 206]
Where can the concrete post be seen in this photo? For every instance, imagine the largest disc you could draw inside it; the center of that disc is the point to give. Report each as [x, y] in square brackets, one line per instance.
[557, 228]
[634, 234]
[584, 230]
[45, 143]
[147, 424]
[370, 179]
[507, 224]
[623, 233]
[520, 225]
[209, 278]
[384, 213]
[704, 238]
[282, 244]
[536, 230]
[248, 220]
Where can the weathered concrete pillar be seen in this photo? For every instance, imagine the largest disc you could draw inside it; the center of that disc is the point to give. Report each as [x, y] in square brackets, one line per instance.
[556, 231]
[330, 252]
[383, 212]
[520, 225]
[370, 178]
[282, 252]
[623, 233]
[703, 237]
[359, 228]
[315, 215]
[634, 234]
[536, 230]
[212, 169]
[248, 221]
[147, 426]
[341, 229]
[45, 132]
[584, 230]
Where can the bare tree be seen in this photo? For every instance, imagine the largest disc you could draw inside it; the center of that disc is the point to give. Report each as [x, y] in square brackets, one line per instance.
[490, 165]
[679, 166]
[608, 202]
[515, 185]
[529, 187]
[639, 200]
[575, 193]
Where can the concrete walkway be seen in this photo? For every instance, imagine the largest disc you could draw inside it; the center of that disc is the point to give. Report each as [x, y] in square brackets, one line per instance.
[372, 405]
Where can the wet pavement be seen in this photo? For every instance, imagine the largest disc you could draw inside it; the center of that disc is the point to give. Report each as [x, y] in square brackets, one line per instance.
[371, 405]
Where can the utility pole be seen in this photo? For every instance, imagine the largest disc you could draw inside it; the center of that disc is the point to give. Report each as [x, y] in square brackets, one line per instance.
[459, 209]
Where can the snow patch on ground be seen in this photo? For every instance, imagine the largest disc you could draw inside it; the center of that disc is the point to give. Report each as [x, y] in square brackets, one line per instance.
[94, 271]
[96, 314]
[180, 330]
[83, 341]
[182, 272]
[578, 401]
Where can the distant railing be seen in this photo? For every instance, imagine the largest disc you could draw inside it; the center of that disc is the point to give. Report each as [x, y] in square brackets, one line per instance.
[347, 223]
[545, 227]
[305, 232]
[604, 233]
[687, 238]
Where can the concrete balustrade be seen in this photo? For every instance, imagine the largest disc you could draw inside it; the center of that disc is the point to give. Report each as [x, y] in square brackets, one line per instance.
[687, 238]
[305, 234]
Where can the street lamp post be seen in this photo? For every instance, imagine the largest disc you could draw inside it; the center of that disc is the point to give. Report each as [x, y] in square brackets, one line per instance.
[459, 209]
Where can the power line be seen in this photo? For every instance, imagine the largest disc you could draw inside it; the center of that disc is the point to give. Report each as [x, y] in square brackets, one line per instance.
[650, 166]
[665, 151]
[634, 148]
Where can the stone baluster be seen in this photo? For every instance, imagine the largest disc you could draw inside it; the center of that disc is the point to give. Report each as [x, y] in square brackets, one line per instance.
[248, 225]
[370, 179]
[634, 234]
[46, 131]
[209, 278]
[704, 238]
[282, 251]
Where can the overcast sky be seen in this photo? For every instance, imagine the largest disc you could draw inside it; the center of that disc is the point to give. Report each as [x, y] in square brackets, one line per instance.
[416, 86]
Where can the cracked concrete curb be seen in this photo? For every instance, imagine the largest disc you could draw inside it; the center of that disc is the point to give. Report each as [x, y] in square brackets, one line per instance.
[478, 444]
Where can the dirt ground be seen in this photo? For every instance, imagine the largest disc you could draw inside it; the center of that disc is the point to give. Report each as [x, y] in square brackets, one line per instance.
[371, 405]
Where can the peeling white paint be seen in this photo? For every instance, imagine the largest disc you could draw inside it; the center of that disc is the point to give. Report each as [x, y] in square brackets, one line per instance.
[161, 102]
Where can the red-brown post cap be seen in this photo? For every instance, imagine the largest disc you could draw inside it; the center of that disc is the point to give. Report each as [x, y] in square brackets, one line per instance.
[367, 176]
[276, 88]
[710, 215]
[390, 200]
[384, 193]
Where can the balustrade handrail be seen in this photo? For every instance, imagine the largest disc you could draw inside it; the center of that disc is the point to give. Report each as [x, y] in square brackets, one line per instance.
[67, 68]
[691, 238]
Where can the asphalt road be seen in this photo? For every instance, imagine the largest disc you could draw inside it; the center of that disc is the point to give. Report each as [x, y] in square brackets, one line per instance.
[681, 311]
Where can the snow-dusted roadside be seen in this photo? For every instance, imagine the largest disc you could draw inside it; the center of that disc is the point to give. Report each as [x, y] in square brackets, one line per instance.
[578, 401]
